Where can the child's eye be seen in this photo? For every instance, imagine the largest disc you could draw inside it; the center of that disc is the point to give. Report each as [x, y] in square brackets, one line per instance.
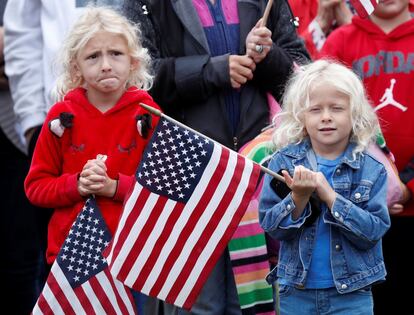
[93, 56]
[314, 109]
[338, 108]
[117, 53]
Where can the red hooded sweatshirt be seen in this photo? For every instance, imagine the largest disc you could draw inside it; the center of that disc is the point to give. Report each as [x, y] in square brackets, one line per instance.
[385, 62]
[58, 160]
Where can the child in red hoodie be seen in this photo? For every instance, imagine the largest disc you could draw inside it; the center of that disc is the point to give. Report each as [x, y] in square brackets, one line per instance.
[381, 50]
[105, 77]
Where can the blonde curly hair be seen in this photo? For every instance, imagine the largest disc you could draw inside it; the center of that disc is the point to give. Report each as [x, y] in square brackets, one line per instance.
[92, 21]
[365, 125]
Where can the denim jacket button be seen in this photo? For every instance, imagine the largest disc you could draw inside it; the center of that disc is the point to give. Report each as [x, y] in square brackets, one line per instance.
[338, 247]
[338, 171]
[288, 207]
[336, 214]
[344, 286]
[357, 195]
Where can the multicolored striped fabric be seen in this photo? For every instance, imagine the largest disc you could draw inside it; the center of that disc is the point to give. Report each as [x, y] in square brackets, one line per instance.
[248, 251]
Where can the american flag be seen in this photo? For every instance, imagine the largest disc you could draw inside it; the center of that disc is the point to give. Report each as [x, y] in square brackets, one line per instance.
[79, 281]
[188, 199]
[364, 7]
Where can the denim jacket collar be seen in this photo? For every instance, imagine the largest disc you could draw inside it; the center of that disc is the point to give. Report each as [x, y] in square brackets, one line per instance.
[304, 149]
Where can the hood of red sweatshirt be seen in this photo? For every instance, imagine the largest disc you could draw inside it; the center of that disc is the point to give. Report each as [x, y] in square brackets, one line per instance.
[131, 97]
[365, 25]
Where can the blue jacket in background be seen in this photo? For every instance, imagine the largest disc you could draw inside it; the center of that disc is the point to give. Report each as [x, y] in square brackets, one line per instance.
[358, 220]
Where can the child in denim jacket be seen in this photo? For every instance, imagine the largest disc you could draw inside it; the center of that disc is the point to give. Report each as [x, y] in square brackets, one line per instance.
[332, 213]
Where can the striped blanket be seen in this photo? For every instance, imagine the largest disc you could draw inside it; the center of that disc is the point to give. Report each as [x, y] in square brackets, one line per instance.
[248, 251]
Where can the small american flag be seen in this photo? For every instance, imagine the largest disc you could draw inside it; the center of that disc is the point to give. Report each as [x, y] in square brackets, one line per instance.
[189, 197]
[79, 281]
[364, 7]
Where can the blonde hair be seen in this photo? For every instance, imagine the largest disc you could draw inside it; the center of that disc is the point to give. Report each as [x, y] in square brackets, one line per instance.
[92, 21]
[365, 125]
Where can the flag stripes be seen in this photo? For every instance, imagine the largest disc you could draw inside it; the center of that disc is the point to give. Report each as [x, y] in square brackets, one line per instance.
[79, 281]
[98, 296]
[166, 248]
[364, 7]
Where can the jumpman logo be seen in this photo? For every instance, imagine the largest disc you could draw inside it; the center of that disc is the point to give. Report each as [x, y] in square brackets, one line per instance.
[388, 99]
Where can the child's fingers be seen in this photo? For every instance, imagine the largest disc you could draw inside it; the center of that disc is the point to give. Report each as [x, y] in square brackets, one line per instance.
[288, 178]
[90, 180]
[95, 164]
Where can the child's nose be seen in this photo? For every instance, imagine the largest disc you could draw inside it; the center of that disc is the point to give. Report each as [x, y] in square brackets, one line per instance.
[326, 114]
[106, 65]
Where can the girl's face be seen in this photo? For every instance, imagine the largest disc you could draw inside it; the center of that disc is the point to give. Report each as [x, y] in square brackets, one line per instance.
[328, 121]
[105, 65]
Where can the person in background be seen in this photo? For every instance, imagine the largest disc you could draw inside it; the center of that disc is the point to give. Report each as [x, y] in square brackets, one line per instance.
[23, 269]
[382, 47]
[331, 214]
[318, 18]
[216, 68]
[33, 33]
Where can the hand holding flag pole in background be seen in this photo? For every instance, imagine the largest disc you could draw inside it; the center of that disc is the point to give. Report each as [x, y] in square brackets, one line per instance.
[190, 195]
[364, 7]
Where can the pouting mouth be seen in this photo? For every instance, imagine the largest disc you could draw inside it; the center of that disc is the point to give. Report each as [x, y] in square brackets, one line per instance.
[327, 129]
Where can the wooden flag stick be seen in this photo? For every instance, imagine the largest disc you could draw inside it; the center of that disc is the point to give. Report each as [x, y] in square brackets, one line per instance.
[159, 113]
[266, 12]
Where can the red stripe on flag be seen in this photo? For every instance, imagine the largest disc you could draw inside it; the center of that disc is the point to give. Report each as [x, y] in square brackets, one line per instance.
[226, 237]
[191, 223]
[44, 305]
[159, 244]
[87, 306]
[120, 299]
[143, 235]
[360, 9]
[59, 295]
[219, 246]
[102, 296]
[130, 221]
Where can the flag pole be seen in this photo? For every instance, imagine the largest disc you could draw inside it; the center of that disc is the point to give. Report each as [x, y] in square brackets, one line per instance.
[157, 112]
[266, 12]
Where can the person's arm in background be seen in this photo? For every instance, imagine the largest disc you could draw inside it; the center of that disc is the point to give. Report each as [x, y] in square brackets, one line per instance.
[273, 71]
[315, 29]
[407, 178]
[180, 78]
[24, 63]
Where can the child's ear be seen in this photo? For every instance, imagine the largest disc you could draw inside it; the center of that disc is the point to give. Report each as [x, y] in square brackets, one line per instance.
[134, 64]
[75, 72]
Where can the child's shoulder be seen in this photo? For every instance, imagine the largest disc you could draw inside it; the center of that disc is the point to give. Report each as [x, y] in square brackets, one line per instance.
[139, 96]
[59, 107]
[289, 152]
[295, 149]
[373, 156]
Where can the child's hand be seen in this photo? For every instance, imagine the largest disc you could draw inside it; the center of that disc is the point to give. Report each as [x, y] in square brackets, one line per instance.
[94, 180]
[302, 185]
[324, 190]
[92, 177]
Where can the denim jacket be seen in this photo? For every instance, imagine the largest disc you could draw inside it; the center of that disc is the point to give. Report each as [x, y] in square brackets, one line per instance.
[358, 220]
